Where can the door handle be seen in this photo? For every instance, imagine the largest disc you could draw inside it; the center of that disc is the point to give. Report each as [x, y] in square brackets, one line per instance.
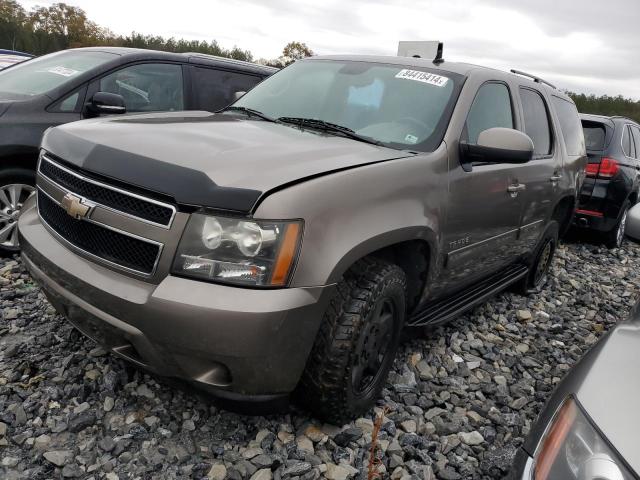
[555, 178]
[515, 188]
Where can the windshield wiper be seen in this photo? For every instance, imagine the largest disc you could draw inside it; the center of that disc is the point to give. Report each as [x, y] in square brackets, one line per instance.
[249, 112]
[328, 127]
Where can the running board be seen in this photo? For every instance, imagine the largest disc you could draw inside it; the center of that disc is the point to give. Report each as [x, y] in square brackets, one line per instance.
[441, 311]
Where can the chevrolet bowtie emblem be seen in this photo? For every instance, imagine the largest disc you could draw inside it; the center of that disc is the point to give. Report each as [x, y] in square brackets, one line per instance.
[74, 206]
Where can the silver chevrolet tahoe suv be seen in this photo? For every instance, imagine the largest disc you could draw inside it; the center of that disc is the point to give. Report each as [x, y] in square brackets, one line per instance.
[280, 246]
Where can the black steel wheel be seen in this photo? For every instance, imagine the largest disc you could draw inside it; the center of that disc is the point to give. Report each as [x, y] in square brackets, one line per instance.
[357, 342]
[541, 261]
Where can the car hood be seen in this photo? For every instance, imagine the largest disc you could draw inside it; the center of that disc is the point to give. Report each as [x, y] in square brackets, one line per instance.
[610, 388]
[4, 105]
[214, 160]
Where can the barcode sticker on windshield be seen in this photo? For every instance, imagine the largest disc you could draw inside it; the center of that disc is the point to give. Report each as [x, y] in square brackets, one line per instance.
[424, 77]
[64, 71]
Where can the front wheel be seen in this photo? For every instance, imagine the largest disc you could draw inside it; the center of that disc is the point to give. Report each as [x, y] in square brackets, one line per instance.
[357, 342]
[16, 185]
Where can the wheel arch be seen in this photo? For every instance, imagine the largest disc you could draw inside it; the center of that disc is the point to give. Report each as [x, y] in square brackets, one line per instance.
[563, 213]
[413, 249]
[24, 158]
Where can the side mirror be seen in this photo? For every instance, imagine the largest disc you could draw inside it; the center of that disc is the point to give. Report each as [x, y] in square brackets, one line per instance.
[106, 103]
[238, 95]
[499, 145]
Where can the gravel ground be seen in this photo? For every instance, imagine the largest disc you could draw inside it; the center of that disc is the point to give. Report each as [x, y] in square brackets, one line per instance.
[459, 401]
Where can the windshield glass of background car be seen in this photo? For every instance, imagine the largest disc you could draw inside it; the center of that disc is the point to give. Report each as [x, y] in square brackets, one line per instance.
[44, 74]
[398, 106]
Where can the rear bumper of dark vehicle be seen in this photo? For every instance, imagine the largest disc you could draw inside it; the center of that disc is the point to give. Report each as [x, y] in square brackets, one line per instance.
[239, 344]
[600, 204]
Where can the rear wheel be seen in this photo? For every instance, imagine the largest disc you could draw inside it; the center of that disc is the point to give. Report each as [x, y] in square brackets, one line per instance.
[614, 238]
[542, 259]
[357, 342]
[16, 185]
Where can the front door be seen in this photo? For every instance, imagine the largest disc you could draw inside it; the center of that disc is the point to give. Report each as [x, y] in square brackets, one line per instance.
[483, 215]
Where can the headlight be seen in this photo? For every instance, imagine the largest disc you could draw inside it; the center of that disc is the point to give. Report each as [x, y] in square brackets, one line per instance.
[238, 251]
[572, 448]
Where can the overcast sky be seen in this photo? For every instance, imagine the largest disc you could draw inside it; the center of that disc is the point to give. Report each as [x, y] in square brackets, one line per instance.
[590, 46]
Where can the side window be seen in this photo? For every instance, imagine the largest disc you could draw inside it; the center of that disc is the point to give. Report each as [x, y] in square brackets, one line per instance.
[536, 121]
[636, 137]
[68, 104]
[147, 87]
[571, 128]
[626, 141]
[215, 89]
[491, 108]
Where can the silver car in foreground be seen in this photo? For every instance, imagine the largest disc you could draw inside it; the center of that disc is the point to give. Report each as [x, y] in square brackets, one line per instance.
[590, 428]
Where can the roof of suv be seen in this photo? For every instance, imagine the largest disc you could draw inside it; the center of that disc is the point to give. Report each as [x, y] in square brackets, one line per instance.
[456, 67]
[191, 57]
[611, 120]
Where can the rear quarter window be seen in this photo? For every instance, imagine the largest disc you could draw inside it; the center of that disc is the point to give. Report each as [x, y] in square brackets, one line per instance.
[570, 126]
[594, 135]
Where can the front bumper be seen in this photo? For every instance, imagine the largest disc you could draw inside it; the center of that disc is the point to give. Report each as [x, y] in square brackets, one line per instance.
[522, 468]
[238, 343]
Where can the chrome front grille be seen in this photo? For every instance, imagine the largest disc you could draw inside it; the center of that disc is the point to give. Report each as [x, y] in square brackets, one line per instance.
[97, 234]
[108, 196]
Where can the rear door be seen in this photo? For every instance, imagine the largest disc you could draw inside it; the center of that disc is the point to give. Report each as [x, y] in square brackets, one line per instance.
[213, 89]
[542, 174]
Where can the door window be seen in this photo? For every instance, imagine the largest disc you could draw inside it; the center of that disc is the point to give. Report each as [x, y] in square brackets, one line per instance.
[536, 122]
[147, 87]
[215, 89]
[491, 108]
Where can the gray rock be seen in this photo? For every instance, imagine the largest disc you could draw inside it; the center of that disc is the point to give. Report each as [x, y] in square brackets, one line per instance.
[58, 457]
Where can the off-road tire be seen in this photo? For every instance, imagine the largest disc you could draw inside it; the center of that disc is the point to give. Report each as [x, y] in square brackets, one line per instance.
[614, 238]
[326, 387]
[540, 262]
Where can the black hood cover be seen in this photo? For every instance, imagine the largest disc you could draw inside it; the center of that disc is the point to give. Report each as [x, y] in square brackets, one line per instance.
[211, 160]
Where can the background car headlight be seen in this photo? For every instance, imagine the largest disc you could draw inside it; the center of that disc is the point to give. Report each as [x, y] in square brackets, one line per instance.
[572, 448]
[238, 251]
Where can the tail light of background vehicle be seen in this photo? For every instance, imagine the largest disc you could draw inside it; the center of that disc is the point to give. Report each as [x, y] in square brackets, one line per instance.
[607, 168]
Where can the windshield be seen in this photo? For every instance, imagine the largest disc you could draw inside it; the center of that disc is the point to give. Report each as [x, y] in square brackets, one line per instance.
[43, 74]
[399, 107]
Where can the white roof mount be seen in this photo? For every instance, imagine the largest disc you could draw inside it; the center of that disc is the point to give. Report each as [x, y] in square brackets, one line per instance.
[421, 49]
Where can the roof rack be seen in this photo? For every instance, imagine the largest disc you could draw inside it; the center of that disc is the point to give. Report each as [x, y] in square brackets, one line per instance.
[533, 77]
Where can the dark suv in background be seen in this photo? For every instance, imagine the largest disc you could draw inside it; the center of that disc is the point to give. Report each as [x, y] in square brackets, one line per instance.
[83, 83]
[611, 185]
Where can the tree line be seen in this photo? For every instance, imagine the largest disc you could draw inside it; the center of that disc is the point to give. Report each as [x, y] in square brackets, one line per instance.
[59, 26]
[607, 105]
[46, 29]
